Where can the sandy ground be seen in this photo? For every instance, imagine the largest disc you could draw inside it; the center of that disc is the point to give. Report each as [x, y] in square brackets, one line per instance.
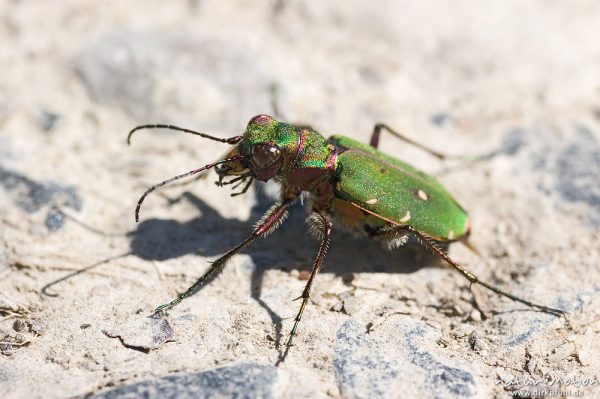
[517, 81]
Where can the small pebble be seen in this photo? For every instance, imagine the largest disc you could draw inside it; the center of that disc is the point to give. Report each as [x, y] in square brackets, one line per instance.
[19, 325]
[36, 327]
[585, 357]
[476, 315]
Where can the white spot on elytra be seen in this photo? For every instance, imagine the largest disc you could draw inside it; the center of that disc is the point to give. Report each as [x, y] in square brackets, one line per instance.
[405, 218]
[451, 234]
[372, 201]
[423, 195]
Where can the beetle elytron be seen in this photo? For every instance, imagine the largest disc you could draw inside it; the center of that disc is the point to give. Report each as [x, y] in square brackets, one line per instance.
[355, 183]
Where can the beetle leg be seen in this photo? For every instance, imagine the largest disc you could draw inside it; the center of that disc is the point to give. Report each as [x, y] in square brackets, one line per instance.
[428, 242]
[394, 236]
[381, 126]
[269, 222]
[321, 223]
[385, 233]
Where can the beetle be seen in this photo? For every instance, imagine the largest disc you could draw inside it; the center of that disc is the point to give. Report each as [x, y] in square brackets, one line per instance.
[351, 182]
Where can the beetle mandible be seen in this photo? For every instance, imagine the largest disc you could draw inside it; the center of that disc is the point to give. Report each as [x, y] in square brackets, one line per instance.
[358, 185]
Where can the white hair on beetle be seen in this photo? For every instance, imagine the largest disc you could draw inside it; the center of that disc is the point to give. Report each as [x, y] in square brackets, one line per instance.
[267, 215]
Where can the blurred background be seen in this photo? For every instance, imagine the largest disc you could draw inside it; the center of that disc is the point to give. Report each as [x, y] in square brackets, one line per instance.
[517, 82]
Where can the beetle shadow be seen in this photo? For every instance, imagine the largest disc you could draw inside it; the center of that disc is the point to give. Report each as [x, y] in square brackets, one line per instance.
[289, 247]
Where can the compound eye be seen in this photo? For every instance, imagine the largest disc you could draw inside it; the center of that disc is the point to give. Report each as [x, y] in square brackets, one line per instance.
[265, 155]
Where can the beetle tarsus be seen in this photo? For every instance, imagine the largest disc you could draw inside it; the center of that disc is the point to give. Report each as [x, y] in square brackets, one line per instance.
[162, 309]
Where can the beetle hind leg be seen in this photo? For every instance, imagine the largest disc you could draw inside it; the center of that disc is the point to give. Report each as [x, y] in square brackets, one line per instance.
[390, 235]
[473, 279]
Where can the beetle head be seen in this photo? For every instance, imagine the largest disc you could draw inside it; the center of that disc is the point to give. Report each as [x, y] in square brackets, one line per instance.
[266, 146]
[264, 149]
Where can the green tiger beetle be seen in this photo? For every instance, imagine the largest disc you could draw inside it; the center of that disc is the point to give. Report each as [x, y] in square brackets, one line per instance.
[358, 185]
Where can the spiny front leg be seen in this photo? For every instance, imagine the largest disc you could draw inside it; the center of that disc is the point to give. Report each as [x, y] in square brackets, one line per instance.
[321, 224]
[269, 222]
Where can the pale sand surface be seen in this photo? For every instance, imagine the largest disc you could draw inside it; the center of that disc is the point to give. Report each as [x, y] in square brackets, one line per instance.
[465, 77]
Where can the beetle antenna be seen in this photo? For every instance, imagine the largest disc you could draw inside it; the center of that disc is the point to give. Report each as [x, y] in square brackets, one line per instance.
[231, 140]
[190, 173]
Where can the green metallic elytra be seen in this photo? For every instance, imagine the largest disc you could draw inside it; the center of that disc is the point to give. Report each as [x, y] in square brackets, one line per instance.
[354, 183]
[396, 192]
